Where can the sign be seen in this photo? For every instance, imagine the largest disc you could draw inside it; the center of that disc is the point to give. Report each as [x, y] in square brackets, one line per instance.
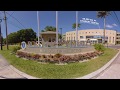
[23, 45]
[90, 21]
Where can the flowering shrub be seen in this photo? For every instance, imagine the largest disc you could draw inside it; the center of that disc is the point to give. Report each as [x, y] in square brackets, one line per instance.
[58, 58]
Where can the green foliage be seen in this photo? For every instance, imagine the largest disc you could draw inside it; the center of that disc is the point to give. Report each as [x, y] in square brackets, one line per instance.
[52, 71]
[21, 35]
[15, 48]
[74, 25]
[99, 47]
[102, 14]
[50, 28]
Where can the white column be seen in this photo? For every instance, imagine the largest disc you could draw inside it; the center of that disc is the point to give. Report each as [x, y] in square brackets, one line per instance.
[57, 28]
[38, 27]
[76, 27]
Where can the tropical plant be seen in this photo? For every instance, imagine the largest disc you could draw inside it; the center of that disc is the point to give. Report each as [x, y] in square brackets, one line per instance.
[103, 14]
[74, 25]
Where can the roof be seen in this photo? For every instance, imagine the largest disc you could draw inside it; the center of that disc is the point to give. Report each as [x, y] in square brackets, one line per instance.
[48, 32]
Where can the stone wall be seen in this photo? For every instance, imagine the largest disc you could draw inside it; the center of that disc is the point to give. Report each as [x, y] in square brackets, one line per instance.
[48, 50]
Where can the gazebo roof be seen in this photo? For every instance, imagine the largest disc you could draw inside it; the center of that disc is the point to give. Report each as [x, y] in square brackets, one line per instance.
[48, 32]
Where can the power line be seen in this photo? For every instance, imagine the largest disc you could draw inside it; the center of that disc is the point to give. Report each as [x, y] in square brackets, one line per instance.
[14, 24]
[116, 17]
[15, 19]
[11, 14]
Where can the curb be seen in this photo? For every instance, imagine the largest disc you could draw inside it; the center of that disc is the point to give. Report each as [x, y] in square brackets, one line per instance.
[22, 73]
[97, 72]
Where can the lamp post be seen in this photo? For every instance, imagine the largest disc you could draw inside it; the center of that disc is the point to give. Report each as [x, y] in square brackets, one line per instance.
[0, 34]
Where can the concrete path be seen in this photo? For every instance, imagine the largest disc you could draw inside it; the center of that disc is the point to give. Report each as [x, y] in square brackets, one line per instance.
[7, 71]
[112, 72]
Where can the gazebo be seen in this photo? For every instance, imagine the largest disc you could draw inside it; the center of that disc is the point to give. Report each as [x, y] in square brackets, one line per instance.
[48, 36]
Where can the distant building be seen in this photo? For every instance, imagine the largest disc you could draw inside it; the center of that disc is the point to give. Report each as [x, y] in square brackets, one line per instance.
[118, 38]
[93, 36]
[48, 36]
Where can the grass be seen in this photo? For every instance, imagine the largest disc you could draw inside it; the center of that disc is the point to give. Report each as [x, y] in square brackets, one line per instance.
[51, 71]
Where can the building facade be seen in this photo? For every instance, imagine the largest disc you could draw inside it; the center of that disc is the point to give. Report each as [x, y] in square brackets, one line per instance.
[118, 38]
[93, 36]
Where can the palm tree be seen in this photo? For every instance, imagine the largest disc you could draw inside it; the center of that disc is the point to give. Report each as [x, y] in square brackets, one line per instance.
[74, 25]
[103, 14]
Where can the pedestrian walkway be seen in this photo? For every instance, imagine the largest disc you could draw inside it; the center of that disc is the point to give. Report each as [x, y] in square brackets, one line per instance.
[7, 71]
[112, 72]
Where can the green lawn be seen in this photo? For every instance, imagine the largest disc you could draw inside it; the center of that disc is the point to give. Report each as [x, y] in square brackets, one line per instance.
[51, 71]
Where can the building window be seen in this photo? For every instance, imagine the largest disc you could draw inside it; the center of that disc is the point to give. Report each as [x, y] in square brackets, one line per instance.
[96, 32]
[74, 38]
[86, 32]
[81, 36]
[113, 39]
[69, 38]
[109, 39]
[89, 32]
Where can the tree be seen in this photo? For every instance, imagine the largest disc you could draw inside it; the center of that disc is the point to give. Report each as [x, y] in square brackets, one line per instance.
[50, 28]
[103, 14]
[26, 35]
[42, 31]
[21, 35]
[74, 25]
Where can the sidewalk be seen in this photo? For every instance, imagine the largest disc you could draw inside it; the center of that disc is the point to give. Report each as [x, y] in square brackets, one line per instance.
[111, 70]
[7, 71]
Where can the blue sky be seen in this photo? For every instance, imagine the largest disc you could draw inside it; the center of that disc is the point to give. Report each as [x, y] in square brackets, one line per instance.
[28, 19]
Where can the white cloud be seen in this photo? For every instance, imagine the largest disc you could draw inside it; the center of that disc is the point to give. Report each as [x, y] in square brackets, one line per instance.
[114, 24]
[109, 26]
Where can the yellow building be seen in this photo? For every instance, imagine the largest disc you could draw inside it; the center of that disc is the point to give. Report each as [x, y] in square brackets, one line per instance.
[93, 36]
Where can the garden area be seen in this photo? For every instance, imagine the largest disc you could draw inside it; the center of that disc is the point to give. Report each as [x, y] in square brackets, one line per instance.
[44, 67]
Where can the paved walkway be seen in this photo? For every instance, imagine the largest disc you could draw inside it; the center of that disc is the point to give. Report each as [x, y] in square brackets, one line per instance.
[112, 72]
[7, 71]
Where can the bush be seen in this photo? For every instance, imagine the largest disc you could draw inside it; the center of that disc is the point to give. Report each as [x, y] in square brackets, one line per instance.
[58, 55]
[99, 47]
[14, 50]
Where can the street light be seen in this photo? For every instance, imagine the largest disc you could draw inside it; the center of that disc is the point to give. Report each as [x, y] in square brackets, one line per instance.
[0, 34]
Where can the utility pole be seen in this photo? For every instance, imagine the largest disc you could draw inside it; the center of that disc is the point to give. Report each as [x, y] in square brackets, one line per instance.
[0, 33]
[5, 18]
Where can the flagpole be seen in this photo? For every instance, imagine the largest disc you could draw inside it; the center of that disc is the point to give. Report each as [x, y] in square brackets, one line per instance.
[56, 28]
[38, 27]
[76, 28]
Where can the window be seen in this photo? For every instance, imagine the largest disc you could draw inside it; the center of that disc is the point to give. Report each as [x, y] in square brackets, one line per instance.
[89, 37]
[113, 39]
[89, 32]
[74, 38]
[86, 32]
[109, 39]
[96, 32]
[81, 36]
